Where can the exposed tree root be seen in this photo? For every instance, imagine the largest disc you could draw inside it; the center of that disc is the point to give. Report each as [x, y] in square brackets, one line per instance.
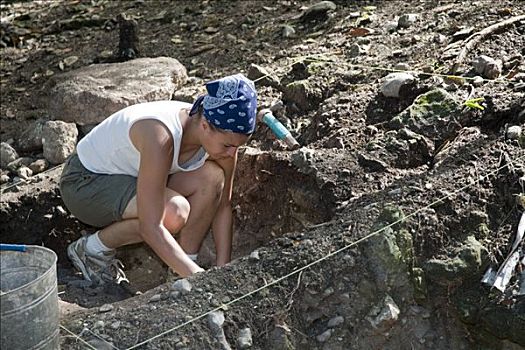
[469, 43]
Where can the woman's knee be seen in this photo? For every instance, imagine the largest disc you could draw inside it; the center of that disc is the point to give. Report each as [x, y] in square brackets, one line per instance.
[176, 213]
[212, 177]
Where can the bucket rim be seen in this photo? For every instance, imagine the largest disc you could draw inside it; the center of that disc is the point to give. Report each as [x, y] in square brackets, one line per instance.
[42, 276]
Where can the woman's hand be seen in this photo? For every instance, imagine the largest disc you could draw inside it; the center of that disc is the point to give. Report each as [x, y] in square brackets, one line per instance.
[262, 112]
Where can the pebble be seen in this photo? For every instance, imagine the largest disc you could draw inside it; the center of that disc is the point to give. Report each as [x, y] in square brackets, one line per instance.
[321, 338]
[328, 291]
[24, 172]
[487, 66]
[287, 31]
[4, 179]
[61, 211]
[357, 50]
[155, 298]
[349, 260]
[406, 20]
[38, 166]
[254, 256]
[105, 308]
[99, 324]
[215, 320]
[514, 132]
[440, 39]
[115, 325]
[245, 339]
[182, 286]
[477, 81]
[393, 83]
[174, 294]
[336, 321]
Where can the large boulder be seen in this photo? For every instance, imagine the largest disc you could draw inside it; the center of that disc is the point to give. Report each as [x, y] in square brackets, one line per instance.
[7, 154]
[91, 94]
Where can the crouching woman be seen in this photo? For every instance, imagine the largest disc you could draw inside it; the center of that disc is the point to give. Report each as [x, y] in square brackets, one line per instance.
[159, 170]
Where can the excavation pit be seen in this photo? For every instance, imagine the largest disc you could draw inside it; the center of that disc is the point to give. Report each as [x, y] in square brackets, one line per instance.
[271, 197]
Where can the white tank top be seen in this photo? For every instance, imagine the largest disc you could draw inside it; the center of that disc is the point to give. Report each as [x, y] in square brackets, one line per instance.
[108, 149]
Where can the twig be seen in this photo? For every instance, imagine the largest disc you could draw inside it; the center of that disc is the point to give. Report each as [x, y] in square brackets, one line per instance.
[474, 39]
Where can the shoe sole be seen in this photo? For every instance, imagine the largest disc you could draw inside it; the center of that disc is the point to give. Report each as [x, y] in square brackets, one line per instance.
[77, 262]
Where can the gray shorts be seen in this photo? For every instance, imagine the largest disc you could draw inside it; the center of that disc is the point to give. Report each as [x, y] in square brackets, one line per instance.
[95, 199]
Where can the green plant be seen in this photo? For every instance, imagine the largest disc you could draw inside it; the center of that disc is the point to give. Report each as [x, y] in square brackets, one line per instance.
[473, 103]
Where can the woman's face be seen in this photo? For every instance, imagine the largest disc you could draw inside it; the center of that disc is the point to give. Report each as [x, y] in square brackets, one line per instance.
[220, 144]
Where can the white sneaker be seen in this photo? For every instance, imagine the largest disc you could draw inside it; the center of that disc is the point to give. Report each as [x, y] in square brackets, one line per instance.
[99, 269]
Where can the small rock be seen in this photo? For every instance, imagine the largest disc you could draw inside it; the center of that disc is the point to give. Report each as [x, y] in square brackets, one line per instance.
[61, 211]
[19, 162]
[106, 308]
[487, 67]
[391, 26]
[31, 138]
[336, 321]
[349, 260]
[115, 325]
[287, 31]
[254, 256]
[321, 338]
[38, 166]
[4, 179]
[99, 324]
[256, 72]
[59, 140]
[7, 154]
[384, 316]
[394, 82]
[215, 320]
[182, 286]
[245, 339]
[24, 172]
[175, 294]
[407, 20]
[514, 132]
[318, 11]
[440, 39]
[328, 291]
[357, 50]
[477, 81]
[155, 298]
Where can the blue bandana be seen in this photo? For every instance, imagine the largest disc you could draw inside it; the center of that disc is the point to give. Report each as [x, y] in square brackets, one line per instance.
[230, 105]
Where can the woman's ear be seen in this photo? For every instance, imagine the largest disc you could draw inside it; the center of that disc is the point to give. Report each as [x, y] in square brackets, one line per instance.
[204, 124]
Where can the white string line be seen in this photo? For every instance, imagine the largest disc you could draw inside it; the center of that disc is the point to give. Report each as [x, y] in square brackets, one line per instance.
[298, 59]
[78, 337]
[99, 337]
[25, 181]
[322, 258]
